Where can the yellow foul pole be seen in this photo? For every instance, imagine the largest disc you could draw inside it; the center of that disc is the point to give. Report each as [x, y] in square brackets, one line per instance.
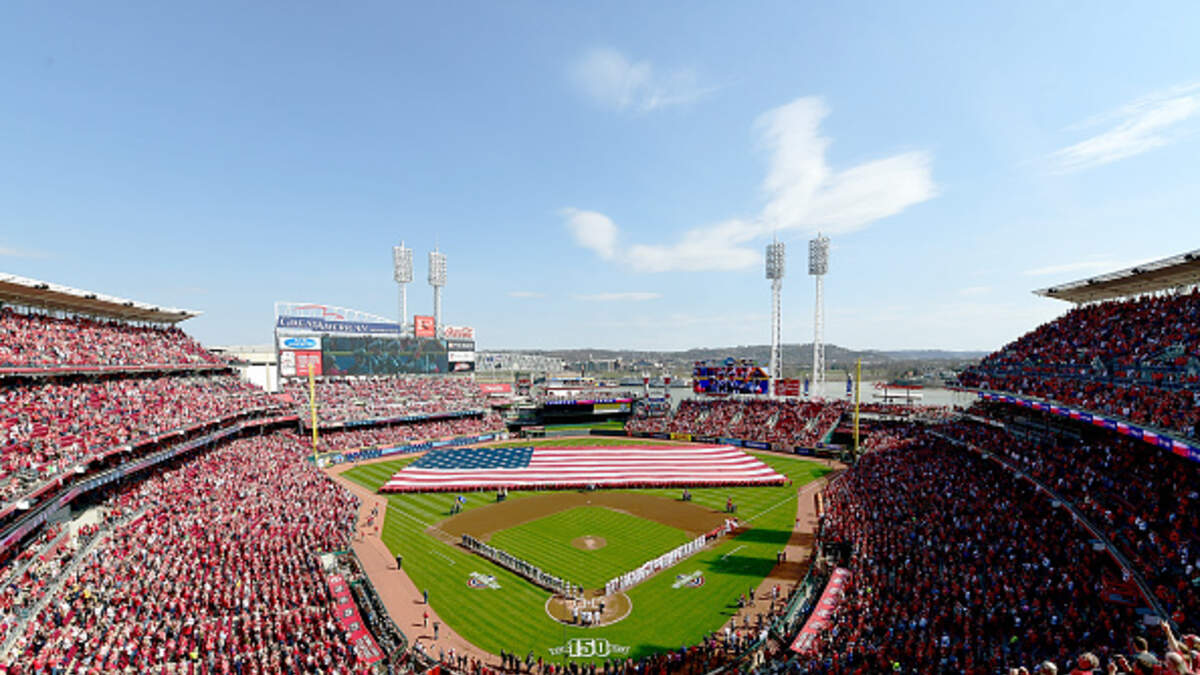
[312, 404]
[857, 382]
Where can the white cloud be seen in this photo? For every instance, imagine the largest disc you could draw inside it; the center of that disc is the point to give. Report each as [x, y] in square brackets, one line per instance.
[593, 231]
[20, 253]
[525, 294]
[633, 296]
[615, 81]
[803, 194]
[1141, 126]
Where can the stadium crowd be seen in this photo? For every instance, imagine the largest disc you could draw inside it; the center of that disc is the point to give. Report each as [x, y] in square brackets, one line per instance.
[787, 423]
[215, 573]
[1146, 500]
[36, 339]
[958, 568]
[1138, 359]
[385, 435]
[49, 426]
[345, 399]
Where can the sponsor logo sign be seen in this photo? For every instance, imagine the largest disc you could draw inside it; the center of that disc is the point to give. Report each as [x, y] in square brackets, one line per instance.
[482, 581]
[589, 648]
[693, 580]
[424, 326]
[458, 332]
[461, 356]
[495, 387]
[305, 343]
[316, 325]
[460, 345]
[462, 366]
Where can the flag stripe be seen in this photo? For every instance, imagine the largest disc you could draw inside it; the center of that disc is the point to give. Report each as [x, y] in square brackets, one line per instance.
[606, 466]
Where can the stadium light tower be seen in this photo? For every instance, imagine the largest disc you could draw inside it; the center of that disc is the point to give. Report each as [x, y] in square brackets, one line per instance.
[775, 270]
[402, 269]
[818, 265]
[437, 279]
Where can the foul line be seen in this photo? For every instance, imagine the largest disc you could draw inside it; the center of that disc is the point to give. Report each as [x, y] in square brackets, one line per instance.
[735, 550]
[442, 556]
[769, 509]
[408, 515]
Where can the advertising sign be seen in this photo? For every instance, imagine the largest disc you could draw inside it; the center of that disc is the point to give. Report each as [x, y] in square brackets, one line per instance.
[424, 326]
[462, 366]
[314, 325]
[822, 614]
[460, 345]
[458, 332]
[495, 387]
[307, 343]
[306, 358]
[461, 356]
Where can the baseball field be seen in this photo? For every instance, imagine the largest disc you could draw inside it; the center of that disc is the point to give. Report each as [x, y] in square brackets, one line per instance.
[587, 538]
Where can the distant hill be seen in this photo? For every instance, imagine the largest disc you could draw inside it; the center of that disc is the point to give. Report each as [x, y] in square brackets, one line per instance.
[795, 357]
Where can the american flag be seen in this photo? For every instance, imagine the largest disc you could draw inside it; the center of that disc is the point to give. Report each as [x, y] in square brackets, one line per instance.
[575, 466]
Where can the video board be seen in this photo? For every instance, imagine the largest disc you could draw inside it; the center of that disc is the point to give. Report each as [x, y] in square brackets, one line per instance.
[357, 355]
[729, 377]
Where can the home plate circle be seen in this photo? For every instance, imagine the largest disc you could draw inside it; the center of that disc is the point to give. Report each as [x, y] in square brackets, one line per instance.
[589, 542]
[593, 609]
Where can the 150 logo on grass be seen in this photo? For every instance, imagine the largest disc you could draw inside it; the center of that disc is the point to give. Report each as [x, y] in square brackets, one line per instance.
[589, 648]
[693, 580]
[481, 581]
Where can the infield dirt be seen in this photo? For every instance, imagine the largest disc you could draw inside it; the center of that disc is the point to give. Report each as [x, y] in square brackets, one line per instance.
[482, 522]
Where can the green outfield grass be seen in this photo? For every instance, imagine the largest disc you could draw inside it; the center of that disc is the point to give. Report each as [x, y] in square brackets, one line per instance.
[546, 542]
[513, 618]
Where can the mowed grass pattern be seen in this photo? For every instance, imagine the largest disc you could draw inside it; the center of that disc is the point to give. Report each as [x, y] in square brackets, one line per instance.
[514, 618]
[546, 542]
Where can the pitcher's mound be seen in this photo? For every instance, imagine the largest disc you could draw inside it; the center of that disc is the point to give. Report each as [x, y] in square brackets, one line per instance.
[589, 543]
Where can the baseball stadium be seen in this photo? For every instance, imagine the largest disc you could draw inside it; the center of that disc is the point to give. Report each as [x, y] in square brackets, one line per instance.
[380, 507]
[537, 338]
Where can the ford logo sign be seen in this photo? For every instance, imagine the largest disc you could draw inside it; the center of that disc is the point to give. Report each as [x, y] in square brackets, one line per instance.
[300, 343]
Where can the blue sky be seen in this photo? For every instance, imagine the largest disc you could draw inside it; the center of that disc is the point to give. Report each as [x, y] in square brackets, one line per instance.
[600, 174]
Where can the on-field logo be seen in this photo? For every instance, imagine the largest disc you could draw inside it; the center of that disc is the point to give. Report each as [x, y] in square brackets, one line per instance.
[693, 580]
[481, 581]
[589, 648]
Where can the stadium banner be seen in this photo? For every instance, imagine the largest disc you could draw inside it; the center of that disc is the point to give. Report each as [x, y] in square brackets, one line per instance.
[345, 355]
[609, 432]
[1177, 447]
[462, 366]
[495, 387]
[460, 345]
[822, 613]
[458, 332]
[757, 445]
[347, 612]
[300, 343]
[677, 436]
[641, 434]
[287, 363]
[799, 450]
[661, 436]
[424, 326]
[461, 356]
[704, 439]
[324, 326]
[736, 442]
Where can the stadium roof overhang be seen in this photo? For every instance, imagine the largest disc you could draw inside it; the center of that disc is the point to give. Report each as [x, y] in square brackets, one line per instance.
[26, 292]
[1174, 272]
